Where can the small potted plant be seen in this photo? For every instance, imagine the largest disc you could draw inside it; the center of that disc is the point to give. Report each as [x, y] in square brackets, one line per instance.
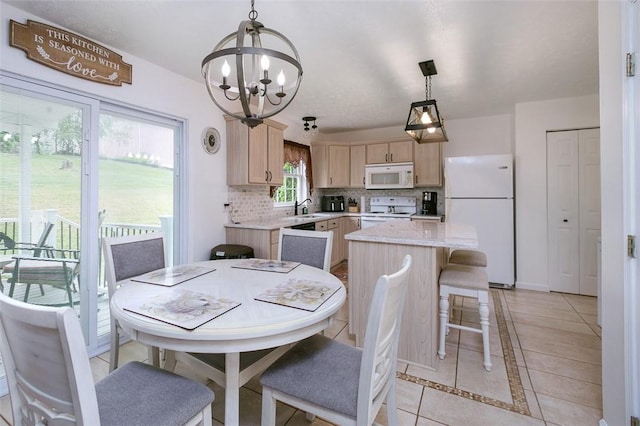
[353, 205]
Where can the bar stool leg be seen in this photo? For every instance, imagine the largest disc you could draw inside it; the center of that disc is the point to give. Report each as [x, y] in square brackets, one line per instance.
[444, 319]
[483, 300]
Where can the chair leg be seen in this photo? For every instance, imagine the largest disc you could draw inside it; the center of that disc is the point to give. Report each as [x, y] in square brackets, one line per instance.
[268, 408]
[115, 349]
[483, 300]
[444, 323]
[26, 293]
[392, 404]
[42, 291]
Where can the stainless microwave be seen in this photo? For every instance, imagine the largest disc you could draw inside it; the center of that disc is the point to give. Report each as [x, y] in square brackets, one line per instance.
[389, 176]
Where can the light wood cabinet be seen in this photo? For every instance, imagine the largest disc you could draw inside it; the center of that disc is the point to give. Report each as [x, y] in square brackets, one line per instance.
[427, 164]
[254, 156]
[264, 242]
[330, 166]
[350, 224]
[390, 152]
[358, 160]
[337, 250]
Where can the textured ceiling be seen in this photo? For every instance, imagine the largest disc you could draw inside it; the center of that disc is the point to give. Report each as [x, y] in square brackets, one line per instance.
[360, 58]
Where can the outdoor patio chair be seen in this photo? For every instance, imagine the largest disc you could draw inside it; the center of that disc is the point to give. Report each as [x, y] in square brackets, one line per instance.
[50, 380]
[60, 272]
[126, 257]
[343, 384]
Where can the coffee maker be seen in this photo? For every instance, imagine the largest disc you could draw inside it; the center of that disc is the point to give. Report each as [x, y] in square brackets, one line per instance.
[430, 203]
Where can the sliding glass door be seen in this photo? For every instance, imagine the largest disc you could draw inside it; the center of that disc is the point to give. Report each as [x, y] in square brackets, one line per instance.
[74, 169]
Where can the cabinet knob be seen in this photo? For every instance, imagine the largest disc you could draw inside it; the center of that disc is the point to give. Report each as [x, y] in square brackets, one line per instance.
[565, 220]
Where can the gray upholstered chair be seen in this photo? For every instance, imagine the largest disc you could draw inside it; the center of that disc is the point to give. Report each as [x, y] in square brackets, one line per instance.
[309, 247]
[126, 257]
[50, 380]
[341, 383]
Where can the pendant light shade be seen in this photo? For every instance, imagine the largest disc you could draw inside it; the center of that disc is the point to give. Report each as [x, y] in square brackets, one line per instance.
[424, 123]
[256, 70]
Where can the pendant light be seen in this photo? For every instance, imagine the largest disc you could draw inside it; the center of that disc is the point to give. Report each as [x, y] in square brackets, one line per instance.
[424, 123]
[240, 69]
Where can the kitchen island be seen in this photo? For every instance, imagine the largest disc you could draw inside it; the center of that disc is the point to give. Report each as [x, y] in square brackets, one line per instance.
[379, 250]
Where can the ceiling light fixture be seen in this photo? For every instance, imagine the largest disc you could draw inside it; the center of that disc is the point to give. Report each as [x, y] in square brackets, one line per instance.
[240, 72]
[310, 130]
[424, 124]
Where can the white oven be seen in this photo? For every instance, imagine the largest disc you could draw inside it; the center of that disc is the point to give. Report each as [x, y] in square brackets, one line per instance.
[384, 209]
[389, 176]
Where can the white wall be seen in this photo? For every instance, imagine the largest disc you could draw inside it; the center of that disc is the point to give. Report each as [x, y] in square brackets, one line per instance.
[159, 90]
[532, 121]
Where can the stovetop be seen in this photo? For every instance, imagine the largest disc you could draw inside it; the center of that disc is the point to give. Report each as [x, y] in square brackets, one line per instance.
[392, 206]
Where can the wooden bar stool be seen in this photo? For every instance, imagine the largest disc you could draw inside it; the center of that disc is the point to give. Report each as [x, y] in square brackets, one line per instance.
[468, 281]
[468, 257]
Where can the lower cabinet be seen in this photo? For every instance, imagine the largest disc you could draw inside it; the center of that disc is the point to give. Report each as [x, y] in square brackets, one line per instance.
[264, 242]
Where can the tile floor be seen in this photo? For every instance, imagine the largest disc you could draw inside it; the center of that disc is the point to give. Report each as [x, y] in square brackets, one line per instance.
[546, 356]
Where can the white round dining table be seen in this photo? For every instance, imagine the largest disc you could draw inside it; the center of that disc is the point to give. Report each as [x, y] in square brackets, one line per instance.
[253, 325]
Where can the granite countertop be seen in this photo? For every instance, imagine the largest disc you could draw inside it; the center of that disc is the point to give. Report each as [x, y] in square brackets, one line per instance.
[419, 233]
[287, 221]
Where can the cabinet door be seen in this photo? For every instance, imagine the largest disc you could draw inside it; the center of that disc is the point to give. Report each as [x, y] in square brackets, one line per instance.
[258, 154]
[401, 152]
[276, 156]
[358, 158]
[427, 165]
[320, 165]
[338, 166]
[377, 153]
[350, 224]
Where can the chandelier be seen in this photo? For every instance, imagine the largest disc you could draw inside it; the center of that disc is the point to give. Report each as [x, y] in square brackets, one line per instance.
[239, 72]
[424, 123]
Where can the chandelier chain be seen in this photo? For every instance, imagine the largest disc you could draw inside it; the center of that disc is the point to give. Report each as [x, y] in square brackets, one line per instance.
[427, 88]
[253, 14]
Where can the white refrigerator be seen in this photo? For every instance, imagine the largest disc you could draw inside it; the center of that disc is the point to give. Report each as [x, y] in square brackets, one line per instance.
[479, 192]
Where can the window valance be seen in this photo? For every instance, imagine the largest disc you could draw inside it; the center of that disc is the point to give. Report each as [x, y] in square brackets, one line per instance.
[293, 153]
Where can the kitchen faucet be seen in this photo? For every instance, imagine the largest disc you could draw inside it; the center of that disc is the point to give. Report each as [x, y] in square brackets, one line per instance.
[295, 209]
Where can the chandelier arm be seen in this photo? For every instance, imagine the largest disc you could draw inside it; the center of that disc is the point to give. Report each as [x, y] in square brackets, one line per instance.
[266, 95]
[242, 29]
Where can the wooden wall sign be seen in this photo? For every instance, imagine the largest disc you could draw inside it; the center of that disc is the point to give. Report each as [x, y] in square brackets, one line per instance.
[69, 53]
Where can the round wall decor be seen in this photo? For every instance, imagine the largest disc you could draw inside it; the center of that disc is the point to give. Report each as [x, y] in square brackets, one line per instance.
[211, 140]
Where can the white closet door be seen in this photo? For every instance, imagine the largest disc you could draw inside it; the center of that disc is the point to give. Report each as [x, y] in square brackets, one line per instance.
[589, 171]
[562, 213]
[573, 210]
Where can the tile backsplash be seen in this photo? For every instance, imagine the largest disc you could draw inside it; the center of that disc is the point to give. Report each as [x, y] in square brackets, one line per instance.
[254, 203]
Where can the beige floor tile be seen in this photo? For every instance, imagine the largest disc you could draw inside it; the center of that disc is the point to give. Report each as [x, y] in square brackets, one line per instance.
[453, 410]
[544, 310]
[408, 395]
[539, 304]
[524, 378]
[99, 368]
[345, 337]
[250, 407]
[427, 422]
[445, 372]
[590, 318]
[564, 367]
[552, 335]
[596, 329]
[473, 341]
[583, 304]
[404, 418]
[564, 350]
[578, 327]
[566, 413]
[572, 390]
[532, 402]
[474, 378]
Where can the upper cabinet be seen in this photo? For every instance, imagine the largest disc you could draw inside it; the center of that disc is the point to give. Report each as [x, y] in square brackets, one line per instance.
[358, 161]
[427, 164]
[254, 156]
[330, 166]
[390, 152]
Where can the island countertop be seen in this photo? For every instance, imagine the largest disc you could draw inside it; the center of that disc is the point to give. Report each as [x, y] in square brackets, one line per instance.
[419, 233]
